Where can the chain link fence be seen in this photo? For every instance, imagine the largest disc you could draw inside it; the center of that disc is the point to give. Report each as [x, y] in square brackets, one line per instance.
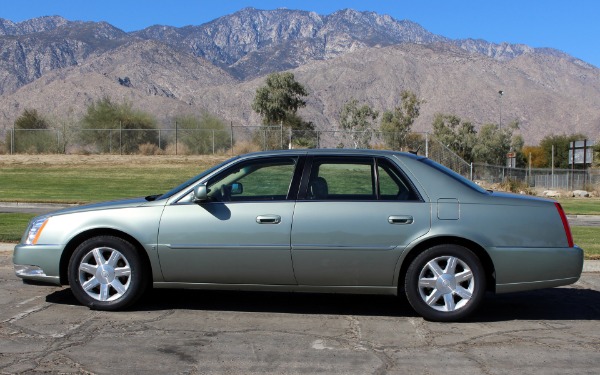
[539, 178]
[242, 139]
[197, 141]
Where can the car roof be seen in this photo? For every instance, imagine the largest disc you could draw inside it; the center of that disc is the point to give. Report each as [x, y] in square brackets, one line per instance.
[335, 152]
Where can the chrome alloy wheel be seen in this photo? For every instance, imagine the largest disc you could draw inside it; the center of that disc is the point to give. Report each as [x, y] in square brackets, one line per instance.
[446, 283]
[104, 274]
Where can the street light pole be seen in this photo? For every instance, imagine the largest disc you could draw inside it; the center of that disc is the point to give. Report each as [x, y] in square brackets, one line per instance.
[501, 93]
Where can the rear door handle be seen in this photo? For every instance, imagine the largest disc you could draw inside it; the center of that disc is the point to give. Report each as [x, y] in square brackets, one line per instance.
[268, 219]
[400, 219]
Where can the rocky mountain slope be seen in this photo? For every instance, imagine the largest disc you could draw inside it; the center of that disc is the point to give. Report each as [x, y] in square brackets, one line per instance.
[59, 66]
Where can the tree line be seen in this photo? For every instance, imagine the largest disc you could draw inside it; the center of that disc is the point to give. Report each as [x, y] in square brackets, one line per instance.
[108, 125]
[277, 102]
[280, 98]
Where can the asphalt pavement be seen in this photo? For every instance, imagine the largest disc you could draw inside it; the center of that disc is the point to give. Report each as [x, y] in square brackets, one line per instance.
[44, 330]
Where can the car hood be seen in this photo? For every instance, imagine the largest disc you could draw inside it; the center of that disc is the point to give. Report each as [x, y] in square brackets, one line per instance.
[110, 205]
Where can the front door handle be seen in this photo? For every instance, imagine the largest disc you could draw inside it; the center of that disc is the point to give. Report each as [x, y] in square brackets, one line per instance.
[268, 219]
[400, 219]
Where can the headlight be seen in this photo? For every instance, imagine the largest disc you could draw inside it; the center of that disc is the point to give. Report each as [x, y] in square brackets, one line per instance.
[35, 229]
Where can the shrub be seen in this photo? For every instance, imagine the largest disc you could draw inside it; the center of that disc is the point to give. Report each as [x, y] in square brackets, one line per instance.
[244, 147]
[32, 134]
[206, 134]
[112, 127]
[179, 149]
[515, 186]
[150, 149]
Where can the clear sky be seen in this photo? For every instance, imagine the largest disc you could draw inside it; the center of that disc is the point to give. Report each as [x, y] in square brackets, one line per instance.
[572, 26]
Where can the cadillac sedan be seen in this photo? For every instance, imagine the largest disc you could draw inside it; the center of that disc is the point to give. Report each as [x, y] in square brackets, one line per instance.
[333, 221]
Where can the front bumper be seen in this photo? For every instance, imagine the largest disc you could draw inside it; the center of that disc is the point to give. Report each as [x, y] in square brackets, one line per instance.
[34, 273]
[40, 263]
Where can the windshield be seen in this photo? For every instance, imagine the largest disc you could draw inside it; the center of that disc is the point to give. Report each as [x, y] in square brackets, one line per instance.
[192, 180]
[449, 172]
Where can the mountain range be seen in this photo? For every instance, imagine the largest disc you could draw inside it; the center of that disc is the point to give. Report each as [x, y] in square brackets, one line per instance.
[59, 67]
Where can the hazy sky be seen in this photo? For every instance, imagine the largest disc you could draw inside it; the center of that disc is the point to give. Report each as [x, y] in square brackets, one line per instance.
[572, 26]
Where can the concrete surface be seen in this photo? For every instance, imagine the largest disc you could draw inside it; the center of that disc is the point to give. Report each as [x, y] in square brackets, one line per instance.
[44, 330]
[31, 208]
[584, 220]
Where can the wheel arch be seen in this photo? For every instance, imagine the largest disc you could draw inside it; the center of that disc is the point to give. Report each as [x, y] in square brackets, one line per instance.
[478, 250]
[84, 236]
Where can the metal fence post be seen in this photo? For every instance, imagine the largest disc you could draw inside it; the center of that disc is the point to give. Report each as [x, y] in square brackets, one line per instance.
[281, 136]
[12, 141]
[427, 145]
[120, 138]
[318, 139]
[231, 138]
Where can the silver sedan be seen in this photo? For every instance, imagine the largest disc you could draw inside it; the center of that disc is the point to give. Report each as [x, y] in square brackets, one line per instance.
[333, 221]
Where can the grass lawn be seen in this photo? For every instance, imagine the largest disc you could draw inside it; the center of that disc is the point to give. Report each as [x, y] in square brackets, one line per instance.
[12, 226]
[85, 179]
[581, 206]
[588, 238]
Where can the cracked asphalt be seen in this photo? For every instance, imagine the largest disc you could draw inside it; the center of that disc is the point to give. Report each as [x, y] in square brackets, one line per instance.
[44, 330]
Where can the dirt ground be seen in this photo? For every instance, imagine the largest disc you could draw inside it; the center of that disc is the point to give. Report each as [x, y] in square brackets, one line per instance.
[103, 160]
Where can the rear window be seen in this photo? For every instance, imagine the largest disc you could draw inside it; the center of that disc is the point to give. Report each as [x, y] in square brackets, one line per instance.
[449, 172]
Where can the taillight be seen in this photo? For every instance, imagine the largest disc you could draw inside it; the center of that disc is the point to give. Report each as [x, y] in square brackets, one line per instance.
[565, 222]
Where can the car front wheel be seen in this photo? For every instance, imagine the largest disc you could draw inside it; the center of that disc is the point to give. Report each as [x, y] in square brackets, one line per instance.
[106, 273]
[445, 283]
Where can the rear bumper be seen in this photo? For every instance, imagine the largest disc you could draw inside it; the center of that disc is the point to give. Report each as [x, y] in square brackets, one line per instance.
[520, 269]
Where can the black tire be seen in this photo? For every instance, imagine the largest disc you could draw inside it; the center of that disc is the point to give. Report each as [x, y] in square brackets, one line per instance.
[445, 283]
[113, 271]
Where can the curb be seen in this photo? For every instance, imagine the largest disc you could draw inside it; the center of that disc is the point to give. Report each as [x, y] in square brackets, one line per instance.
[36, 205]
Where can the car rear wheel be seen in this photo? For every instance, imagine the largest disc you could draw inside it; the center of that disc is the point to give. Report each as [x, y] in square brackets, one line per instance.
[445, 283]
[106, 273]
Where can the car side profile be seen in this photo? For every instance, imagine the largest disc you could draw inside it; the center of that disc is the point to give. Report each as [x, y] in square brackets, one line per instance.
[327, 221]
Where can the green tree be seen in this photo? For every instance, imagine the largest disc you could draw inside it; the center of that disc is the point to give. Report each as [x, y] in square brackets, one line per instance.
[561, 145]
[277, 102]
[204, 134]
[114, 127]
[280, 98]
[493, 143]
[359, 121]
[33, 133]
[303, 133]
[458, 135]
[396, 125]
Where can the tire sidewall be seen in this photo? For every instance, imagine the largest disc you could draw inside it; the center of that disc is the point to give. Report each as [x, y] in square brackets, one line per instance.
[412, 282]
[137, 284]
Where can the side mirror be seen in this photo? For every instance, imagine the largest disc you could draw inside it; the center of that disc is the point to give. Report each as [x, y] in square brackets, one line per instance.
[200, 193]
[237, 188]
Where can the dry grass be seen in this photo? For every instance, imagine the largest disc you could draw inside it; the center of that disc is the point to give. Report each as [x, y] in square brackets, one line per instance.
[82, 161]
